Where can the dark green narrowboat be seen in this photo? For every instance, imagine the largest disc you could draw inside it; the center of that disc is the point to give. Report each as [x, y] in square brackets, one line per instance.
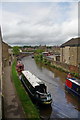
[36, 88]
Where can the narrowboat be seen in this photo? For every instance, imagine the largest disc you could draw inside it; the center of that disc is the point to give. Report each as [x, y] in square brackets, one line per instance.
[72, 85]
[19, 67]
[36, 88]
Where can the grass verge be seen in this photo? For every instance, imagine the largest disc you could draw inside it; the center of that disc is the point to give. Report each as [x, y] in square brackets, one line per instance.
[29, 108]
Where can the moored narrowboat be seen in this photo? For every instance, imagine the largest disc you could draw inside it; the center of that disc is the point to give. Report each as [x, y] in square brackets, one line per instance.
[72, 85]
[19, 67]
[36, 88]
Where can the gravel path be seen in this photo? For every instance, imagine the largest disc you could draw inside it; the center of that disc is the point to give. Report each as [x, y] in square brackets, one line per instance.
[12, 105]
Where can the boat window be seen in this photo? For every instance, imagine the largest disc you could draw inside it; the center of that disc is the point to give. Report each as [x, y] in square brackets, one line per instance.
[41, 88]
[20, 67]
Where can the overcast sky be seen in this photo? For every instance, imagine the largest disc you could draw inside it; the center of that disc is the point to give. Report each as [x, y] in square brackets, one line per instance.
[35, 23]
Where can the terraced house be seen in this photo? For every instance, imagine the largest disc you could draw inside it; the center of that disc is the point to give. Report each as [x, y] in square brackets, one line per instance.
[70, 52]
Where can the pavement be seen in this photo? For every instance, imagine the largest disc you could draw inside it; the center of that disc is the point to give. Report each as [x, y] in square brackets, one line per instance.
[11, 103]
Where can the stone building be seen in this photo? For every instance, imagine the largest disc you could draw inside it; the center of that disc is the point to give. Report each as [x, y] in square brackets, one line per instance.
[5, 55]
[70, 52]
[0, 54]
[0, 74]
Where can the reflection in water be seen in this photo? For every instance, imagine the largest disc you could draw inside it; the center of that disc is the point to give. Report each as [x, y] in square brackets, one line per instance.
[72, 99]
[45, 112]
[64, 105]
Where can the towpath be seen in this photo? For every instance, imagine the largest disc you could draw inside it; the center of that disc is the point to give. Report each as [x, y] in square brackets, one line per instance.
[12, 105]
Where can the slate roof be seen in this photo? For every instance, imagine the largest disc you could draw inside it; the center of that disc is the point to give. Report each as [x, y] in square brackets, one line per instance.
[72, 42]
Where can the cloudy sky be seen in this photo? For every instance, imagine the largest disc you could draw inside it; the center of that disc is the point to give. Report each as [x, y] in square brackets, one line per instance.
[35, 23]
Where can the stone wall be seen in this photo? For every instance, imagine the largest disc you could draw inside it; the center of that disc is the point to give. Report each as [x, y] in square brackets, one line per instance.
[66, 54]
[61, 53]
[60, 64]
[66, 67]
[0, 75]
[79, 55]
[79, 59]
[5, 54]
[70, 55]
[73, 56]
[0, 57]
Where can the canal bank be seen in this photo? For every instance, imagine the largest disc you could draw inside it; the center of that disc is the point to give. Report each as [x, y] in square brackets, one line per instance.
[29, 108]
[63, 105]
[54, 64]
[11, 103]
[16, 102]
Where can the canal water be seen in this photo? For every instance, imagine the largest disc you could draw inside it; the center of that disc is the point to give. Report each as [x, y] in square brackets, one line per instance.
[64, 105]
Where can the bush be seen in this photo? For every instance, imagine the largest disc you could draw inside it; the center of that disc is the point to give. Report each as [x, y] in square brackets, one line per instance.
[76, 74]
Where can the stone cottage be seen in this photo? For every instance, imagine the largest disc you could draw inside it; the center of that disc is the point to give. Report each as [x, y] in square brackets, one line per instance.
[70, 52]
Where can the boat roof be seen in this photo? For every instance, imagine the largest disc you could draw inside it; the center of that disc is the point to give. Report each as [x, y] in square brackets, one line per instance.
[76, 81]
[32, 78]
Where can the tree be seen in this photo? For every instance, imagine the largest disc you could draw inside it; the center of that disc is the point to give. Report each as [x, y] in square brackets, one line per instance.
[39, 51]
[16, 50]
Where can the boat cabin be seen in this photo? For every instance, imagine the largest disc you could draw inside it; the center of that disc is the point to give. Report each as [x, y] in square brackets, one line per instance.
[41, 88]
[19, 66]
[73, 85]
[34, 82]
[36, 87]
